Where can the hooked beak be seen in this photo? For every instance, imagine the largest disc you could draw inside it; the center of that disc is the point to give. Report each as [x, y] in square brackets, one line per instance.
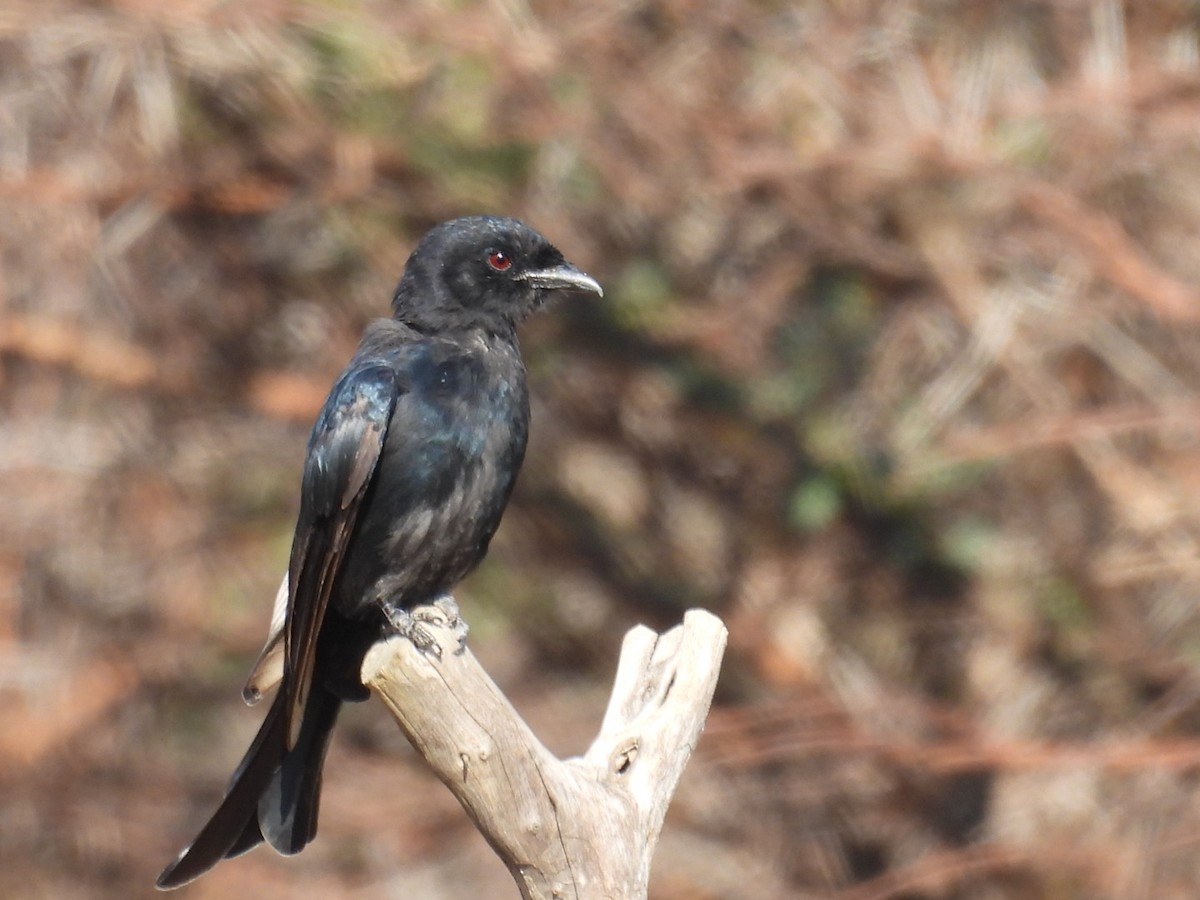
[565, 277]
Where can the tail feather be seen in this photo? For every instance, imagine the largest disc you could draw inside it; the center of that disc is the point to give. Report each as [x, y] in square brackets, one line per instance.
[287, 809]
[235, 823]
[250, 838]
[274, 793]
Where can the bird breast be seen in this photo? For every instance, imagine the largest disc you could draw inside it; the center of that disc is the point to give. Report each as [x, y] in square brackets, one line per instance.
[453, 449]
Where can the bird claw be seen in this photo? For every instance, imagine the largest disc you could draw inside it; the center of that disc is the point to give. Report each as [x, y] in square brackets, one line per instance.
[453, 620]
[418, 625]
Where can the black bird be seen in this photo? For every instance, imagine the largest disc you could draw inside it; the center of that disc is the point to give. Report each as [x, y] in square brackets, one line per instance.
[409, 467]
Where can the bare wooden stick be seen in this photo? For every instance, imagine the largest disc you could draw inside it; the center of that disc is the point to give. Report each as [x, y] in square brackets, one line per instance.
[578, 828]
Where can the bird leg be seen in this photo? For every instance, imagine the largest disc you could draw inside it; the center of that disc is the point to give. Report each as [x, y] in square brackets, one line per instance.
[415, 624]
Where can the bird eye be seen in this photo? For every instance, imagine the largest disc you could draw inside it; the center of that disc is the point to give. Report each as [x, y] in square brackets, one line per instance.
[499, 260]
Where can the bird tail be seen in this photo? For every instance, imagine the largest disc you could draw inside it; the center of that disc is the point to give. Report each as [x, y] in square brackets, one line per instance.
[287, 809]
[273, 795]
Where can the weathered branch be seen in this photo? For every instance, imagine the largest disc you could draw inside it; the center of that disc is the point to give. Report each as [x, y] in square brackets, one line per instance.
[578, 828]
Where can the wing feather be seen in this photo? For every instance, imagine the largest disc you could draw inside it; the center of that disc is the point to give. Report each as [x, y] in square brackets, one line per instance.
[343, 453]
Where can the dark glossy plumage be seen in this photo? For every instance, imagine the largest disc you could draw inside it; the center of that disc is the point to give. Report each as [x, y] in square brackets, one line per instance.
[409, 467]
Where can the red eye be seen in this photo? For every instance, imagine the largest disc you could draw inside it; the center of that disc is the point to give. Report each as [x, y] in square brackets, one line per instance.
[499, 260]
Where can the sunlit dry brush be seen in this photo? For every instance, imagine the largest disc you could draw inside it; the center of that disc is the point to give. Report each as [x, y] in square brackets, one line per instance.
[897, 371]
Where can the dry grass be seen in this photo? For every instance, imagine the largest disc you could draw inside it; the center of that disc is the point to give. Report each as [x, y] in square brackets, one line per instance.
[898, 371]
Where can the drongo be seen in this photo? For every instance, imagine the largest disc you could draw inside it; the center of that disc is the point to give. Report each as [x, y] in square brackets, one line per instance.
[409, 466]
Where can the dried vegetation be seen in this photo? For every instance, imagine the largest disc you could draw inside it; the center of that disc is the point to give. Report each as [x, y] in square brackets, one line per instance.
[898, 370]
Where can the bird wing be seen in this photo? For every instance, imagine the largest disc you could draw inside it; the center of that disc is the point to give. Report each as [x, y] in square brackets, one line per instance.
[343, 452]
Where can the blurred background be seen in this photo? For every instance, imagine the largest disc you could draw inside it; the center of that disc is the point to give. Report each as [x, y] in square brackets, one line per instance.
[898, 371]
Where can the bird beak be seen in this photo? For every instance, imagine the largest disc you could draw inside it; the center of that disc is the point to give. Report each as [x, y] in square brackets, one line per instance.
[564, 277]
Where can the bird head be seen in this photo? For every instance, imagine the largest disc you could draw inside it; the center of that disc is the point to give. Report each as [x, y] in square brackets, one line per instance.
[482, 272]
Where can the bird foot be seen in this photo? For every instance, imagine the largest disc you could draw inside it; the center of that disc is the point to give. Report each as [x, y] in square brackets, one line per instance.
[454, 621]
[418, 624]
